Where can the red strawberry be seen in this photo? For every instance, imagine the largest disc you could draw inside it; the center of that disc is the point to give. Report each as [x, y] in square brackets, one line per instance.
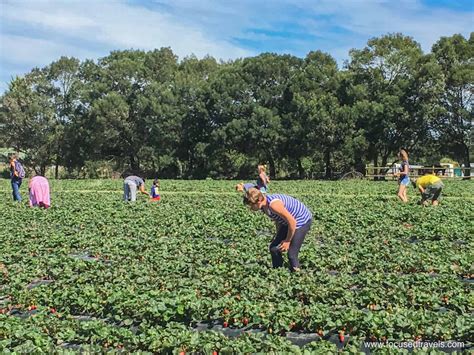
[32, 308]
[245, 321]
[341, 336]
[214, 352]
[225, 325]
[320, 332]
[52, 310]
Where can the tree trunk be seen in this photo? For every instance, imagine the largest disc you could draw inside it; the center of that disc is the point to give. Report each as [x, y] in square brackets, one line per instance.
[300, 169]
[272, 166]
[376, 171]
[384, 163]
[56, 169]
[43, 170]
[327, 160]
[134, 164]
[359, 164]
[467, 163]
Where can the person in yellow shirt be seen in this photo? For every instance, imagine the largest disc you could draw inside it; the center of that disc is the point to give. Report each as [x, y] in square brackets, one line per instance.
[430, 187]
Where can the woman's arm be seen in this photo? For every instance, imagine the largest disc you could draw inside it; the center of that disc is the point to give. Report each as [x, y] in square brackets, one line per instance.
[278, 207]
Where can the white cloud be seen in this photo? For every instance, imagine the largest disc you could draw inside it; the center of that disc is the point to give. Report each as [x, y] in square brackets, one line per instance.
[120, 26]
[36, 32]
[38, 52]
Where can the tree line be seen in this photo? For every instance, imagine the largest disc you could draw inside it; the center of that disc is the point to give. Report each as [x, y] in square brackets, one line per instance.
[148, 112]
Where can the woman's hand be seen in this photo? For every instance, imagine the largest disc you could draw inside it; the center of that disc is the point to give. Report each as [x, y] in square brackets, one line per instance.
[278, 207]
[284, 246]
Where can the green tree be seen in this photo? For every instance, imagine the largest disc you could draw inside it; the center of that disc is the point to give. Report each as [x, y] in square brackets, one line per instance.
[64, 92]
[394, 84]
[27, 119]
[455, 55]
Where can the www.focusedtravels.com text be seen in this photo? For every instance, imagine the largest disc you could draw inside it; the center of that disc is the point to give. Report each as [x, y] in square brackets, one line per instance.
[458, 345]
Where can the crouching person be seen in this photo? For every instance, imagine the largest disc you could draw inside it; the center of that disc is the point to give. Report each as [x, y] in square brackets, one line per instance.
[38, 187]
[430, 187]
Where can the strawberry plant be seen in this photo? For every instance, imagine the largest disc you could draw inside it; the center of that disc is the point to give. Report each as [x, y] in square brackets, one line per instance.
[193, 273]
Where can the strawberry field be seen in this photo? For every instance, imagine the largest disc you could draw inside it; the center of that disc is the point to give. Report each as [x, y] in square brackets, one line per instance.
[192, 273]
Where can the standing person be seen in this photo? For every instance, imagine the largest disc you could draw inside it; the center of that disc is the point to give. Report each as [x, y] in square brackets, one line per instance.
[17, 174]
[430, 187]
[403, 176]
[130, 186]
[293, 221]
[155, 190]
[263, 179]
[38, 187]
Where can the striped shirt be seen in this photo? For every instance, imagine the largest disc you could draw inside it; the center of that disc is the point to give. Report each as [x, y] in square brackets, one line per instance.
[296, 208]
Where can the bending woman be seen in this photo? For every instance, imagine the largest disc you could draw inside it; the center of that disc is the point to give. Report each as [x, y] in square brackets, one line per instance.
[292, 218]
[38, 187]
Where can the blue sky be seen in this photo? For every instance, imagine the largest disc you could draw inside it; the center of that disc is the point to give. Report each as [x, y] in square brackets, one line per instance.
[37, 32]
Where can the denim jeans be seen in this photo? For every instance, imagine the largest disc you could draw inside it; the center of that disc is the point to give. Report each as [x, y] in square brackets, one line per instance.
[295, 245]
[16, 183]
[129, 191]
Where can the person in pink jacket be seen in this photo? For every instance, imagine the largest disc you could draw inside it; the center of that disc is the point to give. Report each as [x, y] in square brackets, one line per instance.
[39, 192]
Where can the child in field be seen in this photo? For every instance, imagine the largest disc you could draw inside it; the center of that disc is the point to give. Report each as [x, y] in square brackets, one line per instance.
[263, 179]
[430, 187]
[155, 193]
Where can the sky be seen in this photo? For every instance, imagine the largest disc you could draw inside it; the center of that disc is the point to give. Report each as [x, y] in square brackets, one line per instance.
[34, 33]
